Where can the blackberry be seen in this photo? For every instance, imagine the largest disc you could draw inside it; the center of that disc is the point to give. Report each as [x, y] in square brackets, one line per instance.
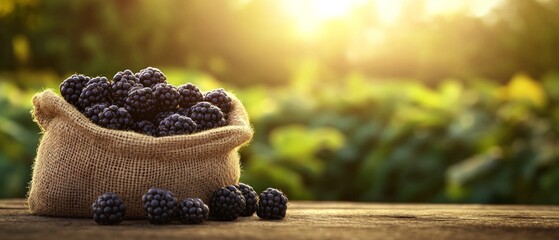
[72, 87]
[219, 98]
[93, 112]
[151, 76]
[98, 90]
[122, 83]
[114, 117]
[272, 204]
[226, 204]
[251, 199]
[207, 116]
[166, 96]
[140, 101]
[184, 111]
[160, 205]
[161, 116]
[189, 95]
[145, 127]
[108, 209]
[193, 211]
[176, 124]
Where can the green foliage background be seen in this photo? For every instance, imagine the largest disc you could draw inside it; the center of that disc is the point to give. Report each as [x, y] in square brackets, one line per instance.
[427, 120]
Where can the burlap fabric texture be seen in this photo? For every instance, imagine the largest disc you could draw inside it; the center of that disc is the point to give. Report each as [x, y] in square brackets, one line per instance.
[77, 160]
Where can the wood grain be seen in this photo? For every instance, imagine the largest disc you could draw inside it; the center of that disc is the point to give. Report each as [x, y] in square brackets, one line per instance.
[310, 220]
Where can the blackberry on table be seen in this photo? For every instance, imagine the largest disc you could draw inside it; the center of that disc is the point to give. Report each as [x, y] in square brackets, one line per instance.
[272, 204]
[108, 209]
[219, 98]
[140, 102]
[166, 96]
[226, 204]
[98, 90]
[114, 117]
[189, 95]
[122, 83]
[207, 116]
[72, 87]
[251, 199]
[176, 124]
[193, 211]
[150, 76]
[145, 127]
[93, 112]
[160, 205]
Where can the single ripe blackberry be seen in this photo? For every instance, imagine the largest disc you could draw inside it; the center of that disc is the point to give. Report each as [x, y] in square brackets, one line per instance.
[160, 205]
[189, 95]
[184, 111]
[207, 116]
[98, 90]
[93, 112]
[72, 87]
[226, 204]
[176, 124]
[151, 76]
[108, 209]
[219, 98]
[114, 117]
[272, 204]
[166, 97]
[161, 116]
[251, 199]
[193, 211]
[140, 102]
[122, 83]
[145, 127]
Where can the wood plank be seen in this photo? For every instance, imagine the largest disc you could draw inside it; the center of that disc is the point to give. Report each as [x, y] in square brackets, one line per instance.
[310, 220]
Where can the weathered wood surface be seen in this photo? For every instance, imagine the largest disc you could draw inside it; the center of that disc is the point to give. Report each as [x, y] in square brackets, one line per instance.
[310, 220]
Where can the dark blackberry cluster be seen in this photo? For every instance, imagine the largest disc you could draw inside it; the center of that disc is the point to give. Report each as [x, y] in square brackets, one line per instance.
[193, 211]
[226, 204]
[122, 83]
[166, 96]
[251, 199]
[272, 204]
[175, 125]
[207, 116]
[148, 101]
[114, 117]
[72, 87]
[140, 102]
[97, 90]
[150, 76]
[108, 209]
[160, 205]
[189, 95]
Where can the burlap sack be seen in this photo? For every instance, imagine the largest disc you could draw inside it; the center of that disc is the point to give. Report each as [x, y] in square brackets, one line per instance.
[78, 160]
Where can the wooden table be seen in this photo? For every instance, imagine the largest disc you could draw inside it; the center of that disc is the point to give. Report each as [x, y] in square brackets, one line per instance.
[310, 220]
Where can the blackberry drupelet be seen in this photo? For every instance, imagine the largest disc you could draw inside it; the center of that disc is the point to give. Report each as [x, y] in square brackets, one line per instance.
[166, 96]
[72, 87]
[219, 98]
[226, 204]
[93, 112]
[122, 83]
[193, 211]
[251, 199]
[98, 90]
[176, 124]
[150, 76]
[114, 117]
[272, 204]
[145, 127]
[140, 102]
[207, 116]
[189, 95]
[108, 209]
[160, 205]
